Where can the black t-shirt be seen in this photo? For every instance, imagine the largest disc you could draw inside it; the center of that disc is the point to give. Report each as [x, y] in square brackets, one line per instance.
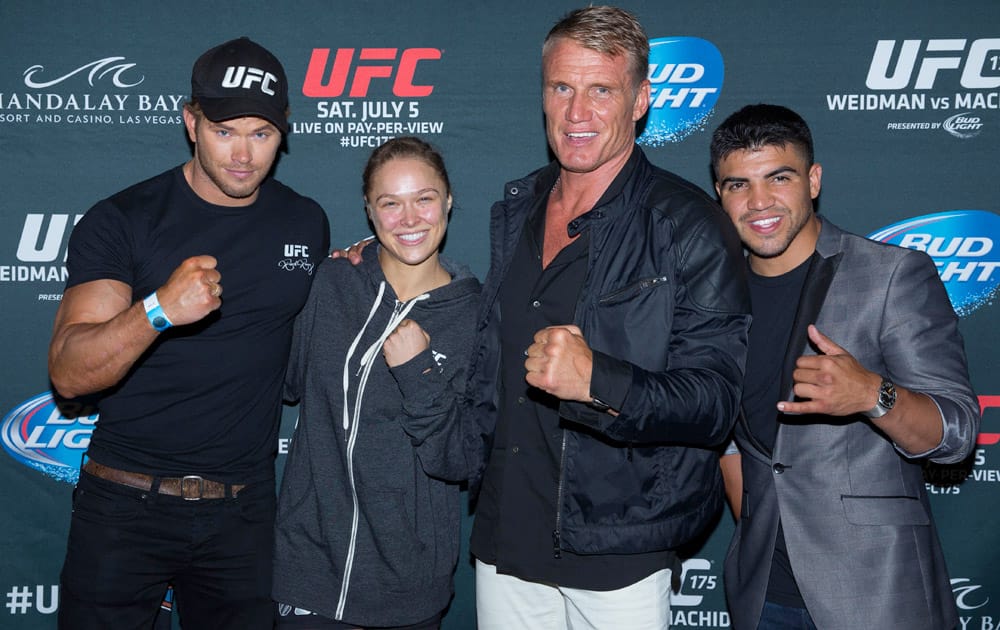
[773, 303]
[516, 515]
[206, 397]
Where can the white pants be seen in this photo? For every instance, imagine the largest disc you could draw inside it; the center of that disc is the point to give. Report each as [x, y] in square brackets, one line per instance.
[504, 602]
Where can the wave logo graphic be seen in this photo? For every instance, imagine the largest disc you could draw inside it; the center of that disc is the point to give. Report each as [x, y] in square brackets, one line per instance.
[37, 434]
[963, 588]
[686, 75]
[98, 70]
[962, 244]
[963, 125]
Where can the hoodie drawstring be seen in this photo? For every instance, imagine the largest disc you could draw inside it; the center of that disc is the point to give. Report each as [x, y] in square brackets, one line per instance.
[367, 359]
[351, 422]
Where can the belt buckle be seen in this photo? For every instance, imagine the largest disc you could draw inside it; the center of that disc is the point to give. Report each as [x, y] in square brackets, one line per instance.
[199, 484]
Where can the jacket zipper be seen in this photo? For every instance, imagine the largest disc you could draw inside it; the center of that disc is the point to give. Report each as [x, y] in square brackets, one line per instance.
[641, 286]
[352, 544]
[556, 533]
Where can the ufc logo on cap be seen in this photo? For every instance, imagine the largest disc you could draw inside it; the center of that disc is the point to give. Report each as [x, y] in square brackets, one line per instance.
[242, 76]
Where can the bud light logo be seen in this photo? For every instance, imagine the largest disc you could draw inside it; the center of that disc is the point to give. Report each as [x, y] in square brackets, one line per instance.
[685, 74]
[962, 244]
[37, 434]
[964, 125]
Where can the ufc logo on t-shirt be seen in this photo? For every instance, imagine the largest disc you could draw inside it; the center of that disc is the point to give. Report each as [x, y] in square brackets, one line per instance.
[242, 76]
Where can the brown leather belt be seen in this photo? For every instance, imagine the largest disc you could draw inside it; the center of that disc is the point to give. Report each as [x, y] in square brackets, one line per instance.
[189, 487]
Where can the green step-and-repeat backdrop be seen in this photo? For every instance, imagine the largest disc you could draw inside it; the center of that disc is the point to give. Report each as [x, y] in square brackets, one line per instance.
[903, 98]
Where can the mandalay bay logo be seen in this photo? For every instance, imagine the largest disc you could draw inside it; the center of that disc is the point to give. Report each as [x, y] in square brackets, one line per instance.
[98, 70]
[100, 92]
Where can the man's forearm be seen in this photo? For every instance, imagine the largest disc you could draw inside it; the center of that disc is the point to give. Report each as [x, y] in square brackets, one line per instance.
[89, 357]
[914, 424]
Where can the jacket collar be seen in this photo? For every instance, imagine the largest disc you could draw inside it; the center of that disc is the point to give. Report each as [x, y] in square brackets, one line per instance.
[830, 242]
[541, 181]
[610, 201]
[624, 176]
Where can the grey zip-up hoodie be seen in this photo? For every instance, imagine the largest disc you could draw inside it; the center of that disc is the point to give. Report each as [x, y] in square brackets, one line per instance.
[368, 520]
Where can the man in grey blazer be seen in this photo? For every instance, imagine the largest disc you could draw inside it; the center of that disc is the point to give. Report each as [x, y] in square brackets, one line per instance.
[856, 375]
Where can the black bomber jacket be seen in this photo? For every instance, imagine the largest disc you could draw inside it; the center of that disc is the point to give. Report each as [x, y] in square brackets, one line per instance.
[665, 308]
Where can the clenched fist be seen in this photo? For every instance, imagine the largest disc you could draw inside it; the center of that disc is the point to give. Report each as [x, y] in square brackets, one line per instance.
[192, 291]
[560, 362]
[406, 342]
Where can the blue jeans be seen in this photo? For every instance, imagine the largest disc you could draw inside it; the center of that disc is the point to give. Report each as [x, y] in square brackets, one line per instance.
[125, 545]
[778, 617]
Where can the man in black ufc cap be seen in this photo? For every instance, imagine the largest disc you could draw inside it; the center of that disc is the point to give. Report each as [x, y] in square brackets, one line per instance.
[177, 315]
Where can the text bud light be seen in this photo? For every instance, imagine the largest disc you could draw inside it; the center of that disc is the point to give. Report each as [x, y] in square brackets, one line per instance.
[963, 244]
[39, 435]
[685, 76]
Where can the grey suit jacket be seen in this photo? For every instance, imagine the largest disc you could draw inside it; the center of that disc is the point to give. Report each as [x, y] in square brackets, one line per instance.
[861, 539]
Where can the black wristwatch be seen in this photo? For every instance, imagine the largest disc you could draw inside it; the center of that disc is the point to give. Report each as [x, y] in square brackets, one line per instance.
[886, 400]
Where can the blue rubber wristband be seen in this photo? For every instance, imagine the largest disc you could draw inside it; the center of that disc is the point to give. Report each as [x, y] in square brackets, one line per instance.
[154, 313]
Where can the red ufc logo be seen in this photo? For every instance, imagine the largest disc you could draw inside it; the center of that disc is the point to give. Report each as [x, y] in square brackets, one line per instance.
[365, 71]
[988, 402]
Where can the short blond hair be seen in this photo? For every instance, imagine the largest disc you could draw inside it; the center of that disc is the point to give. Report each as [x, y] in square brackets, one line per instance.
[609, 31]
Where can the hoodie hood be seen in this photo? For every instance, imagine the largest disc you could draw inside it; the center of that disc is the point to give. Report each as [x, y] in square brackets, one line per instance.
[463, 282]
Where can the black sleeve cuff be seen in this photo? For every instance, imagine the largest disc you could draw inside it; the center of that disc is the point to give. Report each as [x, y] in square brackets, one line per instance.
[419, 379]
[610, 382]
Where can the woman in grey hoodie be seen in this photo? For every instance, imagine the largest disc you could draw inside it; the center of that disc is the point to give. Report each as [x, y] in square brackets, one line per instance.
[367, 531]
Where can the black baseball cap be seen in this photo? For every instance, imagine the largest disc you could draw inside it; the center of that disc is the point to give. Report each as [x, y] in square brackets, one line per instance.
[241, 78]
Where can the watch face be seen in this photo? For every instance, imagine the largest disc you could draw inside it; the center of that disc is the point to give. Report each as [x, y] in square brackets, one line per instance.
[887, 394]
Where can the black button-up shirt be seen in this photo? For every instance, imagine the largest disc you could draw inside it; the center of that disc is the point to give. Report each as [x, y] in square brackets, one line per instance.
[516, 518]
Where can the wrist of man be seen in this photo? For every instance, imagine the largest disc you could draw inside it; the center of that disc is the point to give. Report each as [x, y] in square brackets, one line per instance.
[610, 382]
[154, 313]
[885, 399]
